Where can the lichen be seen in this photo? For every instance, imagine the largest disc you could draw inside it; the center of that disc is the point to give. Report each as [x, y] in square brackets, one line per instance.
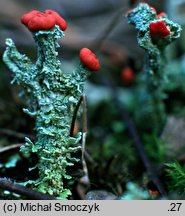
[51, 99]
[154, 33]
[142, 17]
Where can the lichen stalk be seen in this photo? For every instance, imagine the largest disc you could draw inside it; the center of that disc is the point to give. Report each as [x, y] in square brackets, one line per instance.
[154, 33]
[51, 99]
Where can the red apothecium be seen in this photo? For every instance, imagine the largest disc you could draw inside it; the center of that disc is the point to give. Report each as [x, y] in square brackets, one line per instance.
[41, 21]
[26, 17]
[89, 59]
[36, 20]
[127, 75]
[159, 28]
[59, 20]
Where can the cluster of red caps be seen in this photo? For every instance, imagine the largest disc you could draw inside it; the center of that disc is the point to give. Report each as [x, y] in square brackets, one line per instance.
[36, 20]
[157, 28]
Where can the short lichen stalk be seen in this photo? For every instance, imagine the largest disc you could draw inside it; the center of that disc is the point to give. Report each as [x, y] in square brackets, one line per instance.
[154, 80]
[155, 32]
[51, 98]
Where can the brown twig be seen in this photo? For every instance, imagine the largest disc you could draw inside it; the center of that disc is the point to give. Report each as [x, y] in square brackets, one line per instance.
[74, 116]
[84, 180]
[84, 134]
[84, 130]
[9, 148]
[84, 119]
[22, 190]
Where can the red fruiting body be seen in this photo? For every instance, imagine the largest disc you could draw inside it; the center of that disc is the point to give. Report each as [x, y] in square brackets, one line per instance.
[159, 28]
[41, 21]
[26, 17]
[152, 8]
[154, 193]
[127, 75]
[59, 20]
[89, 59]
[36, 20]
[160, 15]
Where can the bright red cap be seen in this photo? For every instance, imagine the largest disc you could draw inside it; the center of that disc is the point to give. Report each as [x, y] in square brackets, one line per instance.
[89, 59]
[59, 20]
[36, 20]
[127, 75]
[160, 15]
[26, 17]
[41, 21]
[159, 28]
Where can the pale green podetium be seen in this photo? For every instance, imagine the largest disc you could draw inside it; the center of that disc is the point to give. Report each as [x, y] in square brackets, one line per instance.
[51, 99]
[154, 77]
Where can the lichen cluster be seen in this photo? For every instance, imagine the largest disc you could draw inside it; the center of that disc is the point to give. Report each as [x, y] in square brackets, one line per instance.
[52, 96]
[154, 33]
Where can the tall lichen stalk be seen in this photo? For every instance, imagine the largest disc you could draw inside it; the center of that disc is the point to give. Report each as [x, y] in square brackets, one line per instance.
[155, 32]
[51, 99]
